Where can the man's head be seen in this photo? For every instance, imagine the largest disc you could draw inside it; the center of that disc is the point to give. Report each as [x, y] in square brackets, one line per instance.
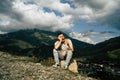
[61, 36]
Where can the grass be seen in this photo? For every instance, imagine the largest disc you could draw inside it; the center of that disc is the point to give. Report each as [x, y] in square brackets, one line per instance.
[47, 62]
[19, 67]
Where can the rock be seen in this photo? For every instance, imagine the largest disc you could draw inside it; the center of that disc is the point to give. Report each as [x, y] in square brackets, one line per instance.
[72, 67]
[62, 63]
[21, 68]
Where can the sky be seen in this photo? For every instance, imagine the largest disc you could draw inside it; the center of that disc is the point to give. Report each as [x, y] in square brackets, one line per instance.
[91, 21]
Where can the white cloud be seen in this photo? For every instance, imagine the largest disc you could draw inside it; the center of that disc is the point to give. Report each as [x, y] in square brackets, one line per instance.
[34, 16]
[56, 5]
[102, 10]
[4, 22]
[91, 37]
[22, 14]
[2, 32]
[80, 36]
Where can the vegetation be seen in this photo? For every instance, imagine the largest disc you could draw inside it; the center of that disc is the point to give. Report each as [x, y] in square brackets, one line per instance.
[34, 42]
[14, 67]
[47, 62]
[114, 55]
[38, 45]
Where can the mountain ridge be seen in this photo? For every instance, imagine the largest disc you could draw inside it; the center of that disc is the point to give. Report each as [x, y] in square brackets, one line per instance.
[104, 51]
[33, 42]
[39, 43]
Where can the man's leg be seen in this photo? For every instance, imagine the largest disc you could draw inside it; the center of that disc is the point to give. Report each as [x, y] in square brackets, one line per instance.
[68, 58]
[56, 56]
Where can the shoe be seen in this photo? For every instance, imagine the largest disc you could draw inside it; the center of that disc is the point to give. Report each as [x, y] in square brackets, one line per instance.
[56, 65]
[65, 67]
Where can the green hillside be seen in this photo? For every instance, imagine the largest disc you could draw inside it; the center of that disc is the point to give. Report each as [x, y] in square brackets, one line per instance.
[34, 42]
[103, 47]
[39, 43]
[114, 55]
[108, 50]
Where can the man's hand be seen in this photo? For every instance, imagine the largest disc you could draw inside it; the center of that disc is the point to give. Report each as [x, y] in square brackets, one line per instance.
[60, 38]
[59, 42]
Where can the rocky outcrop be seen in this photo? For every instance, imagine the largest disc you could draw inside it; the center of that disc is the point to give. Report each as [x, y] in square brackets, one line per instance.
[23, 68]
[72, 67]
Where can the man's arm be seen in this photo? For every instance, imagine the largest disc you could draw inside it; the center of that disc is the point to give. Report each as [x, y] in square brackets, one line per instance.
[57, 44]
[71, 47]
[70, 44]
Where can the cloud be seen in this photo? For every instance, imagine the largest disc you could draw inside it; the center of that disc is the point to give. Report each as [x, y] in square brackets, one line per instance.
[80, 36]
[23, 14]
[101, 12]
[56, 5]
[2, 32]
[57, 14]
[6, 9]
[112, 21]
[92, 36]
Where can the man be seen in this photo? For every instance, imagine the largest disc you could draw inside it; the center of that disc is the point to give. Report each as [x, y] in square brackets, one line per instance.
[62, 47]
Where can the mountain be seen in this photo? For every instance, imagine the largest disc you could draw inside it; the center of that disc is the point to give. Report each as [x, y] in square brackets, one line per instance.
[108, 50]
[108, 45]
[34, 42]
[114, 55]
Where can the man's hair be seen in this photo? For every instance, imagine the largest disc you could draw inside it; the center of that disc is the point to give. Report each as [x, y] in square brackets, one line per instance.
[59, 33]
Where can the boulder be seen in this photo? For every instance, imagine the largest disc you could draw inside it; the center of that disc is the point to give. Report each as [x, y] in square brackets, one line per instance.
[72, 67]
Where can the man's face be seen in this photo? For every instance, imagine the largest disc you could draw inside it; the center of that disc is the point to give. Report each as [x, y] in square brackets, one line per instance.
[61, 36]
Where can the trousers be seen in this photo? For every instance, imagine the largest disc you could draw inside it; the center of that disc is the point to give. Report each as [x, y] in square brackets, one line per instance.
[58, 55]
